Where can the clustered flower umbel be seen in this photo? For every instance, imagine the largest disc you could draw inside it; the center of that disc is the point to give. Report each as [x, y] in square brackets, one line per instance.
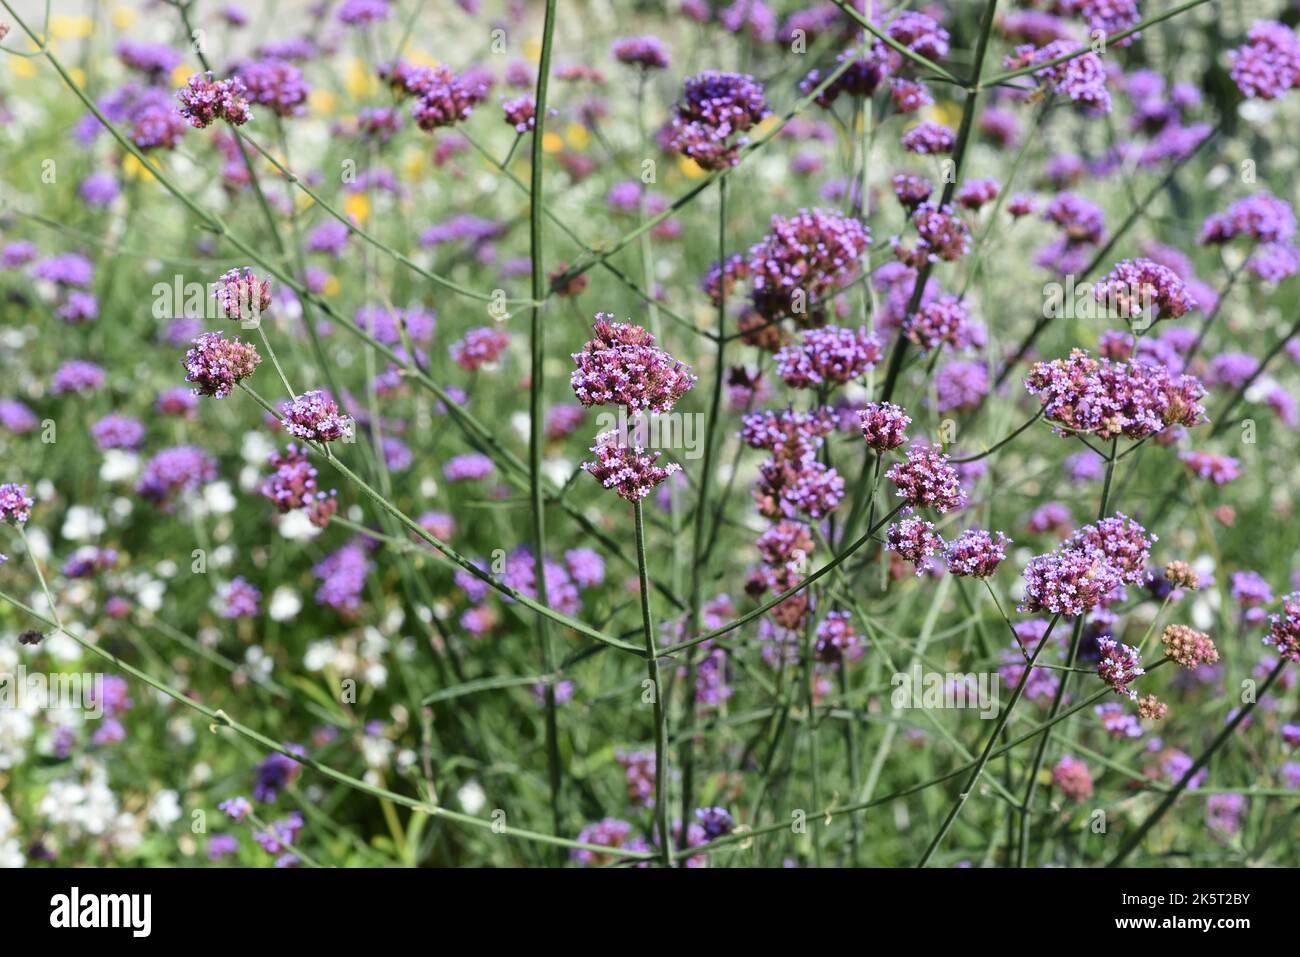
[915, 540]
[802, 260]
[926, 480]
[1081, 78]
[715, 110]
[941, 235]
[621, 365]
[828, 356]
[793, 481]
[976, 553]
[1107, 399]
[314, 416]
[15, 504]
[1119, 665]
[629, 470]
[242, 295]
[1135, 285]
[1284, 629]
[204, 100]
[292, 485]
[1089, 568]
[216, 364]
[1189, 647]
[884, 425]
[1269, 63]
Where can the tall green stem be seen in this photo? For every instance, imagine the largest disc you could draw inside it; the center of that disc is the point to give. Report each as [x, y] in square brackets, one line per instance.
[656, 689]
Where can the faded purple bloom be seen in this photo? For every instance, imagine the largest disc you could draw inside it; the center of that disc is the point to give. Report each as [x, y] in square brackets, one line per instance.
[471, 466]
[276, 84]
[205, 100]
[216, 364]
[173, 471]
[76, 376]
[118, 432]
[239, 599]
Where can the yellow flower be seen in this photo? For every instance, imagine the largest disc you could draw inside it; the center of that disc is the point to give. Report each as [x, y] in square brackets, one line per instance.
[577, 136]
[323, 102]
[552, 143]
[123, 17]
[332, 286]
[78, 76]
[70, 28]
[690, 169]
[360, 81]
[182, 74]
[412, 164]
[533, 50]
[134, 169]
[23, 67]
[357, 208]
[947, 113]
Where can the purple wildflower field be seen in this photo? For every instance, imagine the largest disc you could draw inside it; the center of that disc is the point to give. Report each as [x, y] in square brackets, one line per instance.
[711, 433]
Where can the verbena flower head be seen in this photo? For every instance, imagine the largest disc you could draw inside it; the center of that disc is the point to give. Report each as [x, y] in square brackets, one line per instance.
[912, 190]
[961, 386]
[362, 13]
[77, 376]
[1284, 629]
[520, 113]
[481, 346]
[976, 552]
[1073, 778]
[216, 364]
[1136, 286]
[242, 295]
[1118, 722]
[621, 365]
[786, 544]
[175, 471]
[293, 485]
[275, 84]
[1123, 541]
[977, 193]
[315, 416]
[920, 33]
[155, 60]
[118, 432]
[828, 355]
[1081, 78]
[915, 540]
[1151, 708]
[941, 236]
[802, 260]
[909, 95]
[868, 67]
[787, 434]
[470, 467]
[444, 98]
[837, 639]
[15, 504]
[715, 110]
[205, 100]
[239, 599]
[926, 480]
[647, 52]
[1219, 469]
[1189, 647]
[1119, 665]
[884, 425]
[1069, 581]
[929, 138]
[1261, 217]
[943, 321]
[1268, 65]
[630, 471]
[1081, 394]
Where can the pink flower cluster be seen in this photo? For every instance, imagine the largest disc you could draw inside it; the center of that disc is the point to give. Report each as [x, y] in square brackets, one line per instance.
[926, 480]
[828, 356]
[620, 365]
[802, 260]
[216, 364]
[204, 100]
[630, 471]
[1082, 394]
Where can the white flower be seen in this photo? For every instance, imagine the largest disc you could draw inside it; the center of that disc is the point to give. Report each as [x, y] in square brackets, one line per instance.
[165, 809]
[471, 797]
[81, 523]
[285, 603]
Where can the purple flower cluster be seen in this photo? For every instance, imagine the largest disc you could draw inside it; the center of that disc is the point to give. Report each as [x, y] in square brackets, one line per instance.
[1261, 217]
[1284, 629]
[118, 432]
[15, 504]
[1082, 78]
[1082, 394]
[884, 425]
[715, 109]
[275, 84]
[342, 576]
[941, 235]
[292, 485]
[976, 552]
[915, 540]
[173, 471]
[802, 260]
[241, 295]
[314, 416]
[520, 113]
[621, 365]
[926, 480]
[239, 599]
[1069, 581]
[630, 471]
[647, 52]
[444, 98]
[1219, 469]
[1119, 665]
[1136, 287]
[205, 100]
[216, 364]
[1268, 65]
[837, 640]
[827, 356]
